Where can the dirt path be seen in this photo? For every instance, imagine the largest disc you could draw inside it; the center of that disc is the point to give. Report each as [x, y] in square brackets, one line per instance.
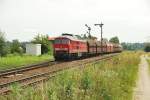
[142, 91]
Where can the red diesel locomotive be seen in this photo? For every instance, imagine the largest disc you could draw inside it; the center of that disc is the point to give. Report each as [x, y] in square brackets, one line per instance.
[69, 46]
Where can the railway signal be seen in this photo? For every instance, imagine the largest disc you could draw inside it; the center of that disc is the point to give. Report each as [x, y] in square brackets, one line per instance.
[101, 26]
[89, 30]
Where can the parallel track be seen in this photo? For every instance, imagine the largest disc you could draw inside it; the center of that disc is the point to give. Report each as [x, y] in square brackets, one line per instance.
[26, 68]
[45, 75]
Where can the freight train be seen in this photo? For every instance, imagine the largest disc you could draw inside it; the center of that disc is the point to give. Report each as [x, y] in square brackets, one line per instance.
[68, 46]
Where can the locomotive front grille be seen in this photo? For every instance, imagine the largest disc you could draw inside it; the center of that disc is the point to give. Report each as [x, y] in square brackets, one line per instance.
[61, 54]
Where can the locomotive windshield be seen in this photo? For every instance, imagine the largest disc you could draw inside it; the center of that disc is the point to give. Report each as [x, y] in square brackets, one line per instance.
[57, 41]
[61, 41]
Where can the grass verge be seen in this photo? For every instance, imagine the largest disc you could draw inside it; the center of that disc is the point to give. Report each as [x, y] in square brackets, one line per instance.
[148, 59]
[105, 80]
[14, 61]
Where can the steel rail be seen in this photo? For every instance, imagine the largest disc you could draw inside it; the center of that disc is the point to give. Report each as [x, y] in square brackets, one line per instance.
[26, 68]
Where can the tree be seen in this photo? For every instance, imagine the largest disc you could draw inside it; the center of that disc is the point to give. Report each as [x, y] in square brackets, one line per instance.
[46, 46]
[16, 47]
[84, 36]
[2, 45]
[124, 45]
[147, 47]
[114, 39]
[8, 47]
[23, 45]
[133, 46]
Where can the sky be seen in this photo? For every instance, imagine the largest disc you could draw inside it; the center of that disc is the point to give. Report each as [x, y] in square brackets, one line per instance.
[24, 19]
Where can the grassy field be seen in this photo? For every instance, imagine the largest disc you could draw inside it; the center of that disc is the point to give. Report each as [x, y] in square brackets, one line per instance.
[105, 80]
[14, 61]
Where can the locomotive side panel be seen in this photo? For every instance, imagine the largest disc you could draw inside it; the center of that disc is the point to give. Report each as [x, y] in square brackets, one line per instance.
[78, 48]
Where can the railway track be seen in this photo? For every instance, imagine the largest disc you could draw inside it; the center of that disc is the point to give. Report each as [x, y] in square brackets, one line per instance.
[41, 72]
[26, 68]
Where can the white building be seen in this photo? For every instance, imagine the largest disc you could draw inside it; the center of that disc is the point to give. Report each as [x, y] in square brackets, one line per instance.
[33, 49]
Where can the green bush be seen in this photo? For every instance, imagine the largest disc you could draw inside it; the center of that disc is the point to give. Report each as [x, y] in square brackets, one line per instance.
[46, 46]
[16, 47]
[114, 39]
[147, 47]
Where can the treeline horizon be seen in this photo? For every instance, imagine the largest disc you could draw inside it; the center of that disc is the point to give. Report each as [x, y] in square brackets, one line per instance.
[17, 47]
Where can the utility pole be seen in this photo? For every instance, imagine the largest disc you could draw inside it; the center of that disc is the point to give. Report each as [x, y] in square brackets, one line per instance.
[89, 30]
[101, 26]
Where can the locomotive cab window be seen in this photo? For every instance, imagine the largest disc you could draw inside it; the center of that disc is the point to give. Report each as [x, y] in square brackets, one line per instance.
[61, 41]
[65, 41]
[57, 41]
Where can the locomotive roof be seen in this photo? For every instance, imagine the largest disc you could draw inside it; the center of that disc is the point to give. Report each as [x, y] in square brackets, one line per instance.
[72, 37]
[51, 38]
